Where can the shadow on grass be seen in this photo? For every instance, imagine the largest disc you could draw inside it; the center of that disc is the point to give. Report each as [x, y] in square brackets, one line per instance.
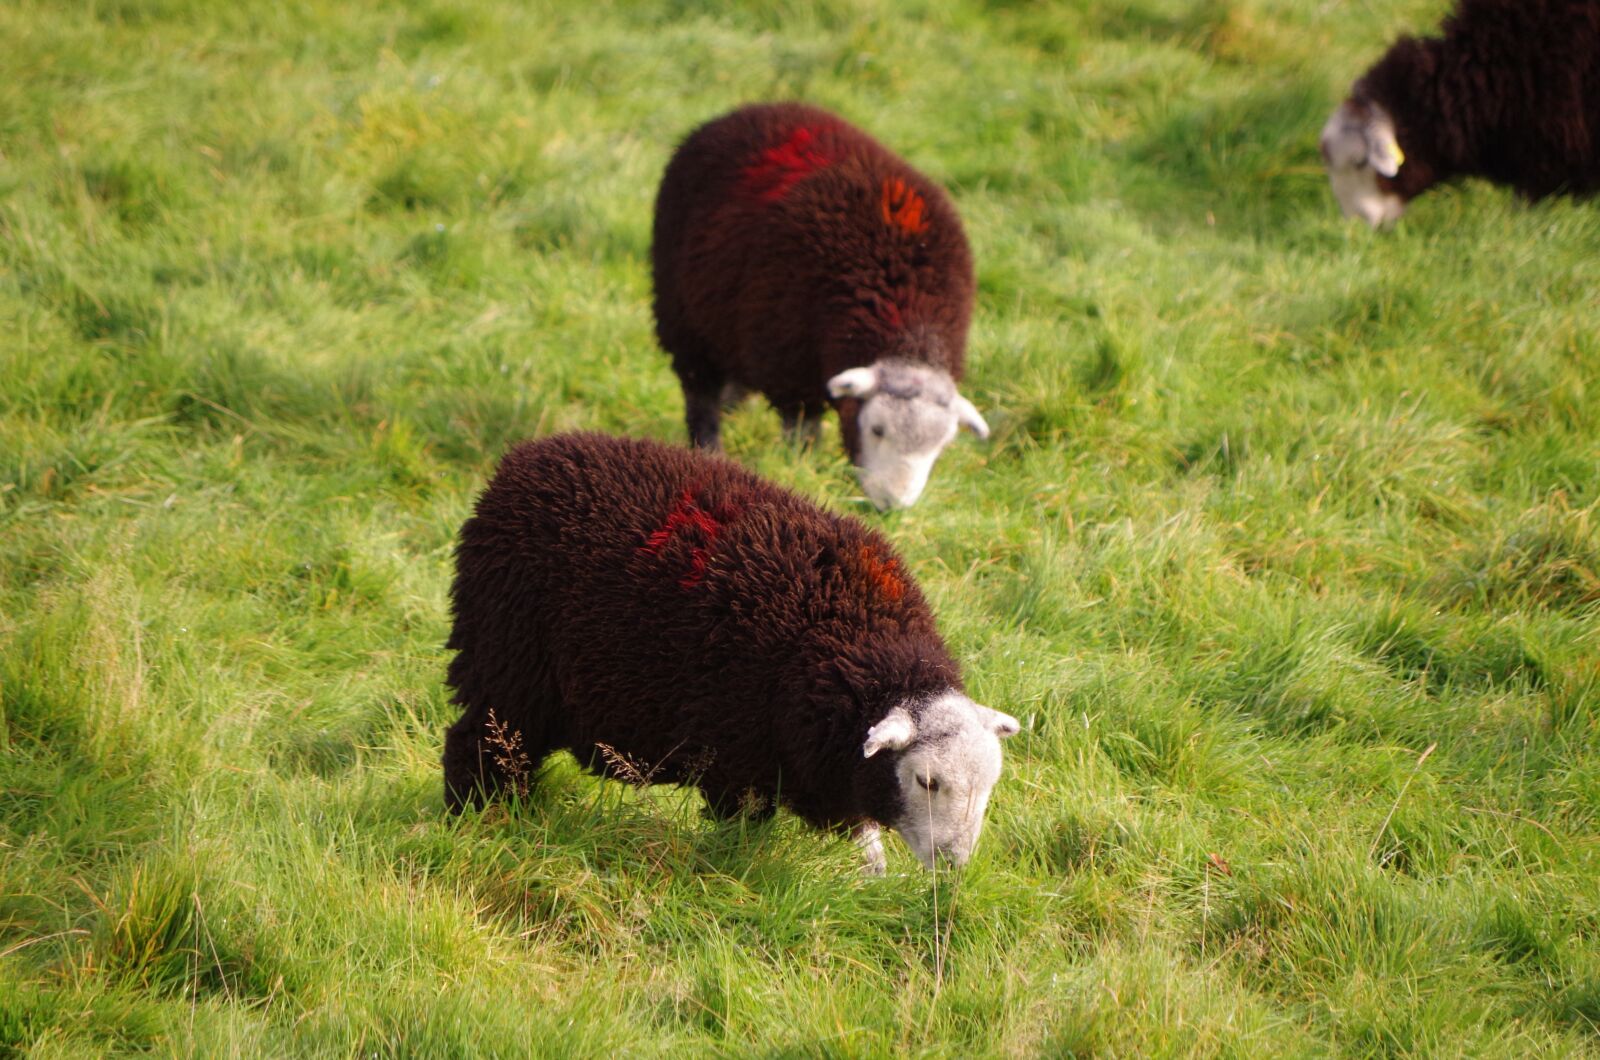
[1247, 163]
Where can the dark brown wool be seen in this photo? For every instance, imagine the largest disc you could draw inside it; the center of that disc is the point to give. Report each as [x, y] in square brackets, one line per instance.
[1510, 92]
[690, 616]
[790, 246]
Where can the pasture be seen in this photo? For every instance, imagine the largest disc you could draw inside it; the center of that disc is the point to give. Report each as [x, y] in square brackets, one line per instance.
[1286, 547]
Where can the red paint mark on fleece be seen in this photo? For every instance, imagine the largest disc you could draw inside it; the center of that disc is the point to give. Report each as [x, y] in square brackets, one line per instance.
[902, 206]
[782, 167]
[885, 574]
[686, 515]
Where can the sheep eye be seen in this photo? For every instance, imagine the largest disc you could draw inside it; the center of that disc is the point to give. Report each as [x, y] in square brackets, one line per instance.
[928, 784]
[878, 431]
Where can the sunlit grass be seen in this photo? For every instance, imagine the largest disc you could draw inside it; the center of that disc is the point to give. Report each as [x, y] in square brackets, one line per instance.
[1273, 507]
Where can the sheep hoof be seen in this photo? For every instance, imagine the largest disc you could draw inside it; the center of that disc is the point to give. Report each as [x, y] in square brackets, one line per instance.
[869, 838]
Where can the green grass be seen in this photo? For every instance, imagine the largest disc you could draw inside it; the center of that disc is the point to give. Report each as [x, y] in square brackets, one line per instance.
[1286, 548]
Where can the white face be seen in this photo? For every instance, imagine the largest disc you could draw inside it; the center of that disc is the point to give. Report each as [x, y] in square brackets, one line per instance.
[947, 762]
[1359, 146]
[909, 412]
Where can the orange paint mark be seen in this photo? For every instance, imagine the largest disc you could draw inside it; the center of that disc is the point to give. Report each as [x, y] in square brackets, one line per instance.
[902, 206]
[885, 574]
[780, 168]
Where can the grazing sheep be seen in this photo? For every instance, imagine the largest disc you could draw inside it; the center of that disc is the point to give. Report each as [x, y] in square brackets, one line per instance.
[796, 256]
[1510, 92]
[665, 615]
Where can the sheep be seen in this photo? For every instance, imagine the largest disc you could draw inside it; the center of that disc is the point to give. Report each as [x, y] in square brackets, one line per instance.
[667, 616]
[795, 256]
[1510, 92]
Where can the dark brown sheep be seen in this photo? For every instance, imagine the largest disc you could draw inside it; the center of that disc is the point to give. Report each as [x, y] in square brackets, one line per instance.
[1510, 92]
[703, 626]
[796, 256]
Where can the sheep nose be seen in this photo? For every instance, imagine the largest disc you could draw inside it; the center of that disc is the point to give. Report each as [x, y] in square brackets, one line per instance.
[886, 500]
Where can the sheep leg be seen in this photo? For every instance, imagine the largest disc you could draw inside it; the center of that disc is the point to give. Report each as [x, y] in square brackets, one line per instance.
[869, 839]
[472, 775]
[801, 425]
[470, 778]
[703, 412]
[724, 804]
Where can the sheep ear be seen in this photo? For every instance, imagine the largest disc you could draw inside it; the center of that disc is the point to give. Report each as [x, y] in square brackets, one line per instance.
[1344, 138]
[895, 731]
[1384, 150]
[1001, 723]
[1359, 134]
[854, 382]
[968, 416]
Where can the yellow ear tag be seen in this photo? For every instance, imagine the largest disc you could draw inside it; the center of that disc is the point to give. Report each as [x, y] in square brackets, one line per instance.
[1387, 158]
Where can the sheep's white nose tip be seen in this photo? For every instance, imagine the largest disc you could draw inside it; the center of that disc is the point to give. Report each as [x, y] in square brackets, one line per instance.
[889, 501]
[885, 503]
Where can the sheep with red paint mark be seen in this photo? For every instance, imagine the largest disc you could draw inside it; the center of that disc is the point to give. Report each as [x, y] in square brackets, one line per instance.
[795, 256]
[712, 629]
[1509, 91]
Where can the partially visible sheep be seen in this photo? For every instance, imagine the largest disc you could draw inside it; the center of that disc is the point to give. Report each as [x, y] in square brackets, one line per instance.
[665, 610]
[796, 256]
[1509, 92]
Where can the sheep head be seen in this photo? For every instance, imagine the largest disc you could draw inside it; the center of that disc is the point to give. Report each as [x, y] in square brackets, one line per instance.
[1362, 155]
[946, 762]
[906, 413]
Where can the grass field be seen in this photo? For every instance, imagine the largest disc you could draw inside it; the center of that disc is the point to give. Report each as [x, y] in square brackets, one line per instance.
[1286, 547]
